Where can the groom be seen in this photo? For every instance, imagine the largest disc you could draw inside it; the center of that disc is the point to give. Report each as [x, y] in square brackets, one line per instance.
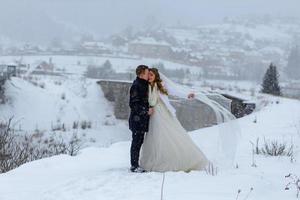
[139, 115]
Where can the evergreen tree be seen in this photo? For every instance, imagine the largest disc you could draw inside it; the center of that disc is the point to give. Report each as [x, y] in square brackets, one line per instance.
[91, 72]
[107, 64]
[270, 83]
[293, 66]
[104, 71]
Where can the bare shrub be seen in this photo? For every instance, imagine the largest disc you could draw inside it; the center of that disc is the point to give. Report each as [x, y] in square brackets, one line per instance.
[42, 85]
[238, 194]
[57, 82]
[247, 195]
[74, 145]
[255, 150]
[63, 96]
[85, 124]
[211, 169]
[58, 126]
[12, 151]
[6, 144]
[294, 181]
[75, 124]
[16, 150]
[273, 148]
[89, 124]
[63, 127]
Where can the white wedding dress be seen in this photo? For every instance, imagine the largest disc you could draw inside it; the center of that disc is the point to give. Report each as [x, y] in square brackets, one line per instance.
[167, 146]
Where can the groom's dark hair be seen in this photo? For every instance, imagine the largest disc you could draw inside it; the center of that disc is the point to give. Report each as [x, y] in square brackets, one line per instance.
[141, 69]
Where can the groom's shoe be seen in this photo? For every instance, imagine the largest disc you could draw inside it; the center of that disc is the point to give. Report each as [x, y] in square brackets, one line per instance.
[137, 170]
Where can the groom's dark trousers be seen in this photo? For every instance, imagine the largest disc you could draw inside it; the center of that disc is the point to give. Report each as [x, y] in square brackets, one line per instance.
[139, 118]
[136, 144]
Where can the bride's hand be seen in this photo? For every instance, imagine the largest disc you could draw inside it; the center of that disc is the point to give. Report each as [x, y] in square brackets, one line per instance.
[191, 96]
[151, 111]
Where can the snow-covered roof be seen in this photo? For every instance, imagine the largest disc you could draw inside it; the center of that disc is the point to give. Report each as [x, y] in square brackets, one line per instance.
[95, 44]
[149, 41]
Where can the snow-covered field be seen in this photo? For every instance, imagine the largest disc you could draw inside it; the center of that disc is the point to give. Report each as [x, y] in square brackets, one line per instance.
[78, 64]
[102, 172]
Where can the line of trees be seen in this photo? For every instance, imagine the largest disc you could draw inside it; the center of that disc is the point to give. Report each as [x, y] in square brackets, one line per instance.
[101, 72]
[178, 74]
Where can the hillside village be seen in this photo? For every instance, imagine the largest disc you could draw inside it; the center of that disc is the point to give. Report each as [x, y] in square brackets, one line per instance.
[220, 50]
[237, 49]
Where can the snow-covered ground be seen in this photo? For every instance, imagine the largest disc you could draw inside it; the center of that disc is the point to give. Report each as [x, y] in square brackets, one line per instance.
[102, 172]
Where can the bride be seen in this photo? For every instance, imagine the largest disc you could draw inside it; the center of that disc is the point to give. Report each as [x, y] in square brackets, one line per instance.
[167, 146]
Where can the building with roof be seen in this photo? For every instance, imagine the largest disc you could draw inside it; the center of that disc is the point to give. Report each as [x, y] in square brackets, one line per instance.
[149, 47]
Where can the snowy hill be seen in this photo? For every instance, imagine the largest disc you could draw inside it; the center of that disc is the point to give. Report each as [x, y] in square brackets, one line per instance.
[102, 173]
[49, 103]
[67, 101]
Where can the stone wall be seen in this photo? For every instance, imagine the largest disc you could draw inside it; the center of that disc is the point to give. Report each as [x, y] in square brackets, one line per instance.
[2, 97]
[2, 89]
[191, 113]
[6, 71]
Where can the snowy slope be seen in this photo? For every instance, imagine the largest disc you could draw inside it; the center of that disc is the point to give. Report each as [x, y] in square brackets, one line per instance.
[33, 107]
[29, 102]
[102, 173]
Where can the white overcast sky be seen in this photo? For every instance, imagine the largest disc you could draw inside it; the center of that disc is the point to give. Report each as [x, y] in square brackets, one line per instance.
[103, 17]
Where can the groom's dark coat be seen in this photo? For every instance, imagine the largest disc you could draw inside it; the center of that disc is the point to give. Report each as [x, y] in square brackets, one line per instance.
[139, 105]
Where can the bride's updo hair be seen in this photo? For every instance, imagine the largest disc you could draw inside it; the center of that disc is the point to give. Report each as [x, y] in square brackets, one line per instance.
[158, 81]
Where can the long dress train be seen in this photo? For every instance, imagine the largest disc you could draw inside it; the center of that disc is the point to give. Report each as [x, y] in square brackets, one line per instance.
[167, 146]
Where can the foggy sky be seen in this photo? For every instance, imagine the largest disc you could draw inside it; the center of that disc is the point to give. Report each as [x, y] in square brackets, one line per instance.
[39, 20]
